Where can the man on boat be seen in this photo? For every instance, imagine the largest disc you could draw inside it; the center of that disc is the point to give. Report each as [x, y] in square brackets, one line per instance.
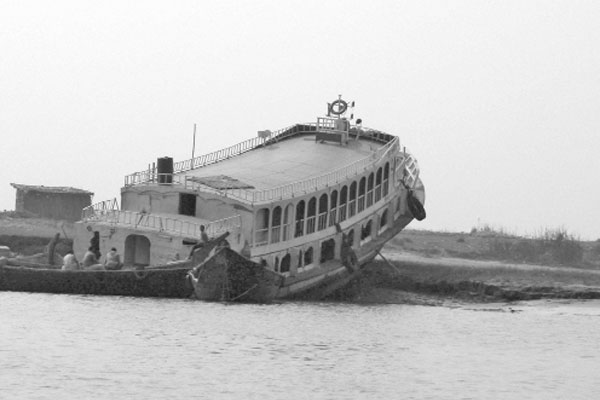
[113, 260]
[203, 235]
[70, 262]
[90, 262]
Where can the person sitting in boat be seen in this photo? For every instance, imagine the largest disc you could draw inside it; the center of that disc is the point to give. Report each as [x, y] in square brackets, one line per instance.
[203, 234]
[90, 262]
[70, 262]
[113, 260]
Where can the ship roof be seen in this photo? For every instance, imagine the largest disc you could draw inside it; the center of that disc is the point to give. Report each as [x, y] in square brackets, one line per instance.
[293, 159]
[50, 189]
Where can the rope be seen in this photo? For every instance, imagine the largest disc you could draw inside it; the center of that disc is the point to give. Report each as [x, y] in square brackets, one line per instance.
[245, 293]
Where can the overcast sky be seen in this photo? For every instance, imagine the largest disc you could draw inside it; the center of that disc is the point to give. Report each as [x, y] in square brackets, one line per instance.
[498, 100]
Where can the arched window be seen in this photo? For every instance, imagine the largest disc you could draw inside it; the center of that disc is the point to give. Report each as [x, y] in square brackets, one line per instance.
[366, 231]
[378, 185]
[287, 222]
[276, 225]
[276, 264]
[386, 179]
[383, 220]
[327, 250]
[343, 203]
[361, 194]
[308, 256]
[261, 229]
[351, 237]
[322, 222]
[285, 263]
[311, 215]
[299, 219]
[352, 202]
[333, 208]
[370, 190]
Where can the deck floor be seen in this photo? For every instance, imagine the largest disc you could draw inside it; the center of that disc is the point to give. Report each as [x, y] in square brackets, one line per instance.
[290, 160]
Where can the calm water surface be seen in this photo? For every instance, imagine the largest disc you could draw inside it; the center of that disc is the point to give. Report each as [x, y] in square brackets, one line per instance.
[84, 347]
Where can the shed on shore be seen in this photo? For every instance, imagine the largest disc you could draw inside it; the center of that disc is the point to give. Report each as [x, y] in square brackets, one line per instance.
[54, 202]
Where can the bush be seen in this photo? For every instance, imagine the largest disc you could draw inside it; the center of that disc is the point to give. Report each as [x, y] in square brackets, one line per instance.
[549, 247]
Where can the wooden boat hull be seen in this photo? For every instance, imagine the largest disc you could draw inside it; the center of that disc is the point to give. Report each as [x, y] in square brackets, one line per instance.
[228, 276]
[156, 282]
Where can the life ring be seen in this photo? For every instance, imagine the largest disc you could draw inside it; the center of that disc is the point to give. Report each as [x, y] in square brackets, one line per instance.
[415, 207]
[341, 106]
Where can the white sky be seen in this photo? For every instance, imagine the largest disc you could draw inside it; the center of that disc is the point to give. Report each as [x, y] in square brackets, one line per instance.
[498, 100]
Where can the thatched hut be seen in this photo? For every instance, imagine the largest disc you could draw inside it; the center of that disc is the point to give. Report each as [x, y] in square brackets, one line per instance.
[55, 202]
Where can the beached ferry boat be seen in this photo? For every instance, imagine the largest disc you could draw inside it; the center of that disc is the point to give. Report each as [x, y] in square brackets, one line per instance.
[296, 211]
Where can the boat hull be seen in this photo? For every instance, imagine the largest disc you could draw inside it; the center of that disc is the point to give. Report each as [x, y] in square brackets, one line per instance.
[157, 282]
[228, 276]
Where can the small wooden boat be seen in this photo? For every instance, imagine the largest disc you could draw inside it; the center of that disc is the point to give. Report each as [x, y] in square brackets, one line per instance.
[34, 274]
[169, 281]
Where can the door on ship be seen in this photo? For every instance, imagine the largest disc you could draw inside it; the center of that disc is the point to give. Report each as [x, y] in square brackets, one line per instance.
[187, 204]
[137, 250]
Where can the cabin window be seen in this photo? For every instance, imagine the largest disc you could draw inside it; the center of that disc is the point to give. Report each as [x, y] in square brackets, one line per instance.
[383, 220]
[366, 231]
[327, 250]
[311, 215]
[343, 201]
[351, 237]
[361, 194]
[370, 190]
[308, 256]
[276, 225]
[285, 264]
[333, 208]
[378, 185]
[187, 204]
[386, 179]
[398, 207]
[287, 222]
[322, 220]
[261, 230]
[300, 219]
[352, 202]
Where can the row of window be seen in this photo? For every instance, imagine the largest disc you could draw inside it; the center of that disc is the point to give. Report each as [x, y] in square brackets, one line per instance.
[306, 217]
[305, 257]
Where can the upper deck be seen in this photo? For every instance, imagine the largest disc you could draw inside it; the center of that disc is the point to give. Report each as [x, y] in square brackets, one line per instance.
[296, 159]
[277, 165]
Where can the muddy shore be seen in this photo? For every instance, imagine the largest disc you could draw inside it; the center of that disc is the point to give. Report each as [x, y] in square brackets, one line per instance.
[415, 279]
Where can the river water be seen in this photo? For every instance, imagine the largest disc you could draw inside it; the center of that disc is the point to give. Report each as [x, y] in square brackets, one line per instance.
[93, 347]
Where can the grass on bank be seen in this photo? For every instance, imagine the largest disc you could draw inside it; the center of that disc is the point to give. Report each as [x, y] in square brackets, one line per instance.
[551, 247]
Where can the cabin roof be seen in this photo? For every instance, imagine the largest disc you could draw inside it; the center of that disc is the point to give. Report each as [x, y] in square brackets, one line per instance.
[50, 189]
[290, 160]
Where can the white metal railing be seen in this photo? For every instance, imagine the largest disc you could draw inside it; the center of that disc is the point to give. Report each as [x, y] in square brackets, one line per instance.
[288, 191]
[171, 225]
[102, 206]
[312, 184]
[408, 168]
[149, 176]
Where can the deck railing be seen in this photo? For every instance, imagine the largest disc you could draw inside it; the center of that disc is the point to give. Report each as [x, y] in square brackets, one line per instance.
[149, 176]
[99, 212]
[288, 191]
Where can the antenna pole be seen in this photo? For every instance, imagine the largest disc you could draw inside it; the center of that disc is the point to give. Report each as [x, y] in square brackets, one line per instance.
[193, 145]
